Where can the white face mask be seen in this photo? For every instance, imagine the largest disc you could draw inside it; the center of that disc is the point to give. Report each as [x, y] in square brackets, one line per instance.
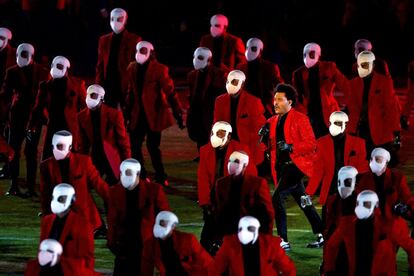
[216, 31]
[234, 168]
[345, 192]
[169, 219]
[161, 232]
[233, 89]
[22, 62]
[377, 168]
[117, 27]
[129, 182]
[57, 73]
[92, 103]
[362, 212]
[62, 199]
[257, 44]
[245, 236]
[200, 64]
[335, 130]
[64, 142]
[57, 207]
[364, 72]
[130, 174]
[216, 141]
[3, 44]
[140, 58]
[309, 62]
[60, 154]
[45, 257]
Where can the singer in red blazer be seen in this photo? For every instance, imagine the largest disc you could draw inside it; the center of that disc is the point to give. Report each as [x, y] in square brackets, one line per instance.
[76, 237]
[194, 259]
[207, 168]
[383, 108]
[324, 165]
[273, 260]
[299, 133]
[250, 118]
[114, 137]
[83, 176]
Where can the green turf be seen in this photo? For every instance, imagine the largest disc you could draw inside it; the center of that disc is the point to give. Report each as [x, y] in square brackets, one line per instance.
[19, 223]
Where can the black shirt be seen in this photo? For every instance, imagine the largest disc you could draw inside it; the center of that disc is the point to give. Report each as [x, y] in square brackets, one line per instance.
[55, 270]
[220, 156]
[253, 78]
[57, 119]
[380, 190]
[314, 100]
[251, 259]
[113, 78]
[281, 156]
[3, 60]
[364, 233]
[363, 124]
[28, 84]
[57, 227]
[339, 148]
[217, 50]
[231, 212]
[171, 259]
[64, 169]
[133, 219]
[234, 102]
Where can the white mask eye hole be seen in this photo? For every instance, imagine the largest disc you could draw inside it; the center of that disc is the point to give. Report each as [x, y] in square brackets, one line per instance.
[251, 229]
[367, 204]
[62, 199]
[235, 82]
[163, 223]
[60, 147]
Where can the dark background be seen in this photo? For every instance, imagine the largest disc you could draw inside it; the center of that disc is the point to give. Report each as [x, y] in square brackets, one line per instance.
[175, 28]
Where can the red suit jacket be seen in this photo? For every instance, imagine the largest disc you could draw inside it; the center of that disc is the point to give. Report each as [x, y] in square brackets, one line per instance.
[273, 260]
[249, 119]
[324, 165]
[330, 78]
[70, 267]
[383, 108]
[269, 78]
[395, 187]
[75, 95]
[207, 168]
[83, 176]
[213, 86]
[113, 134]
[254, 201]
[157, 96]
[151, 200]
[410, 91]
[6, 149]
[299, 133]
[10, 60]
[232, 52]
[126, 55]
[76, 237]
[194, 259]
[15, 96]
[387, 234]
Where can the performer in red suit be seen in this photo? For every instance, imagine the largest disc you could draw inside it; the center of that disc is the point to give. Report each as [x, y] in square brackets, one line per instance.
[115, 51]
[262, 76]
[334, 151]
[369, 241]
[374, 112]
[51, 262]
[133, 205]
[244, 112]
[240, 194]
[212, 166]
[60, 98]
[102, 134]
[409, 99]
[380, 65]
[150, 95]
[7, 53]
[251, 253]
[292, 147]
[227, 49]
[315, 82]
[73, 168]
[18, 96]
[206, 82]
[68, 227]
[173, 252]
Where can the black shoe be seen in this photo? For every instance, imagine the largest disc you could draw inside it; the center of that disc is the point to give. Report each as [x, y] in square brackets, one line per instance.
[15, 192]
[162, 180]
[197, 159]
[100, 233]
[318, 243]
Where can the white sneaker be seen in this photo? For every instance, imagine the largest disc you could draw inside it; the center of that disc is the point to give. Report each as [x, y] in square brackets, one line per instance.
[285, 245]
[318, 243]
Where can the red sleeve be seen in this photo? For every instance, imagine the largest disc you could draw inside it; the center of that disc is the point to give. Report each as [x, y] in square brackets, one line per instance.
[217, 111]
[222, 260]
[341, 81]
[264, 198]
[392, 108]
[201, 258]
[162, 202]
[318, 172]
[86, 244]
[281, 262]
[400, 236]
[404, 192]
[82, 138]
[147, 260]
[82, 96]
[46, 188]
[331, 248]
[203, 179]
[94, 179]
[307, 143]
[39, 106]
[99, 79]
[121, 137]
[362, 166]
[239, 51]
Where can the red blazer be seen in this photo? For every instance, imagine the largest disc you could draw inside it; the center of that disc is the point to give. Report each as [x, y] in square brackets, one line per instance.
[273, 259]
[152, 200]
[410, 91]
[194, 259]
[299, 133]
[10, 60]
[157, 96]
[269, 78]
[232, 52]
[213, 86]
[76, 237]
[126, 55]
[83, 176]
[113, 134]
[14, 94]
[254, 200]
[75, 95]
[395, 186]
[387, 234]
[250, 118]
[330, 78]
[207, 168]
[383, 108]
[324, 164]
[70, 267]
